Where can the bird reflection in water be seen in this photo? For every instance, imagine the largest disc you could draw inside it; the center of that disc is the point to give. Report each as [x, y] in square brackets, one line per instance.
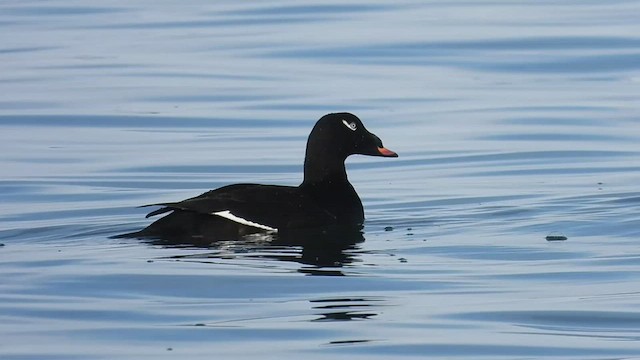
[325, 250]
[344, 309]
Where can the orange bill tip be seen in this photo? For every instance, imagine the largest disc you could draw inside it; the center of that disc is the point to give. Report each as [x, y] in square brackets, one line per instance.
[386, 152]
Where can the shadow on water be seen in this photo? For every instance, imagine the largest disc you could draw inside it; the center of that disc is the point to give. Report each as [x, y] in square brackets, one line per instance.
[325, 250]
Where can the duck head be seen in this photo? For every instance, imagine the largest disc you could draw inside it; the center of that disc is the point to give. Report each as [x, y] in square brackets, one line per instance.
[343, 134]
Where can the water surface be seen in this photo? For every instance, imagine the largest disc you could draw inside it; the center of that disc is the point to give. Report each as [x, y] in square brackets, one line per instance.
[513, 121]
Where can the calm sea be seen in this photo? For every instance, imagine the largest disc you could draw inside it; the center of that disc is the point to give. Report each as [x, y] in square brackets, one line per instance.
[516, 122]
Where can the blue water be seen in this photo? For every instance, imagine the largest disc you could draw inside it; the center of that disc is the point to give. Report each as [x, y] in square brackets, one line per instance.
[514, 121]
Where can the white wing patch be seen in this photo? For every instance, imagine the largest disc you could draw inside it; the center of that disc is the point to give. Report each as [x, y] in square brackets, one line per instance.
[350, 125]
[228, 215]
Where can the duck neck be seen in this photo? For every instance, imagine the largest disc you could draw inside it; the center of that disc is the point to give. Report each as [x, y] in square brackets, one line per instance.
[324, 170]
[325, 181]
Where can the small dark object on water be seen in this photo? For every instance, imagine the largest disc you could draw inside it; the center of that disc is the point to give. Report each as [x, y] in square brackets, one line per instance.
[556, 236]
[1, 244]
[388, 228]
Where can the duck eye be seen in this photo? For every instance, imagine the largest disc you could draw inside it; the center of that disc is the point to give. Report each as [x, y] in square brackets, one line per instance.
[351, 125]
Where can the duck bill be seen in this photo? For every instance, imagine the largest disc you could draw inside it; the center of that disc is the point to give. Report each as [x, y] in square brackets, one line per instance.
[386, 152]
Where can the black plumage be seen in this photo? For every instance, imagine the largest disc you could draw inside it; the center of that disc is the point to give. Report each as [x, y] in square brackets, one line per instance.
[325, 199]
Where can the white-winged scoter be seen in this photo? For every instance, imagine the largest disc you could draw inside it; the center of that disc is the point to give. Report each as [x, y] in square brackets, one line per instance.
[324, 199]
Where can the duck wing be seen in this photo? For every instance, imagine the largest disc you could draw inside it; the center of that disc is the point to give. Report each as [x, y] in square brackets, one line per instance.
[267, 207]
